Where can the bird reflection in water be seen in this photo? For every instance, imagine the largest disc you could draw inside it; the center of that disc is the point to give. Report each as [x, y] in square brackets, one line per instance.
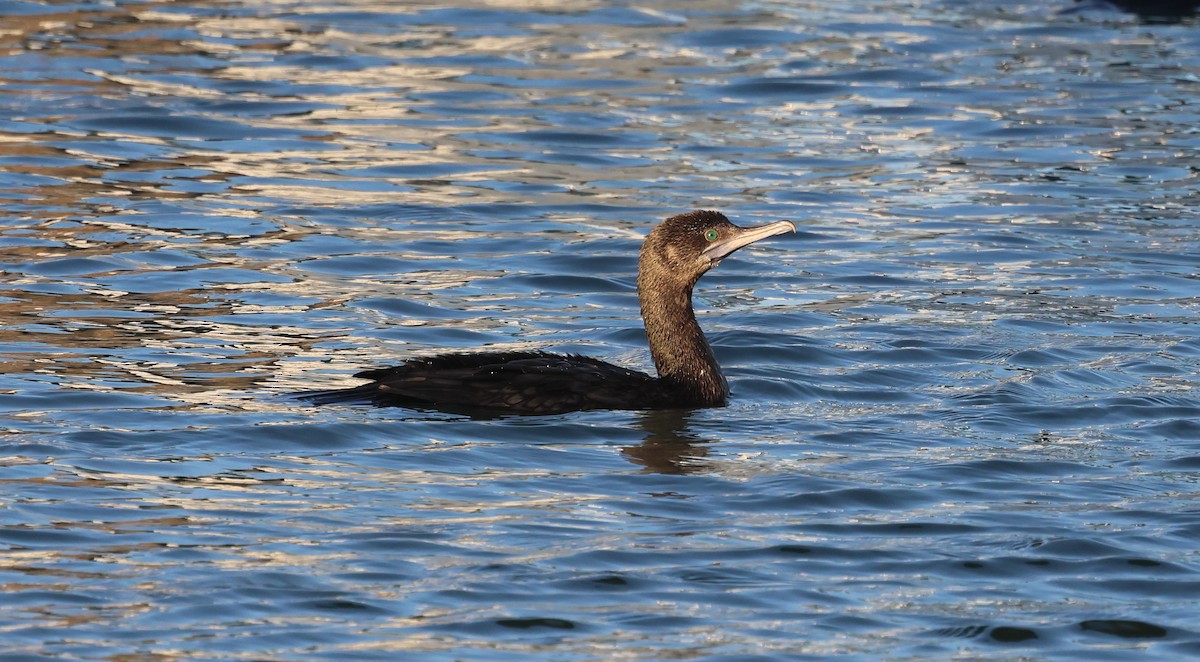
[670, 446]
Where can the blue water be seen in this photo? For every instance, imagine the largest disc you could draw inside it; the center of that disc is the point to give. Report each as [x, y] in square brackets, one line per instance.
[966, 394]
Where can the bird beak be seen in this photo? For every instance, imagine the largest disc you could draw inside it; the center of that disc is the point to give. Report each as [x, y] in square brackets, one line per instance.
[744, 237]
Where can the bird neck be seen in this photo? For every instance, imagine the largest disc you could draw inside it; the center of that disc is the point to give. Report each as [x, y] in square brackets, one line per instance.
[681, 353]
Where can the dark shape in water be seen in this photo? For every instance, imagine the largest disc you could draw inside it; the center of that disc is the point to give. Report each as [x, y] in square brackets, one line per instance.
[674, 256]
[1147, 9]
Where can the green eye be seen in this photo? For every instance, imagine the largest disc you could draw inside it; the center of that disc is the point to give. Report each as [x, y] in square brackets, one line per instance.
[711, 235]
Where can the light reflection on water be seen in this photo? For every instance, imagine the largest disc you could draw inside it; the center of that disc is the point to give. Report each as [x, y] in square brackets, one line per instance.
[964, 415]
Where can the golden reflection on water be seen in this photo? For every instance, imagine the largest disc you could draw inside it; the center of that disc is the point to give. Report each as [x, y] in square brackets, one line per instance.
[374, 114]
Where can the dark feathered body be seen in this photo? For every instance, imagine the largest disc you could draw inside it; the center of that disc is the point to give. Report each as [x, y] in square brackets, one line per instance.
[521, 382]
[673, 257]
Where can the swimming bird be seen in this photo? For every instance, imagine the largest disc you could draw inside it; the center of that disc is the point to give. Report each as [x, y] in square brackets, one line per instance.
[674, 256]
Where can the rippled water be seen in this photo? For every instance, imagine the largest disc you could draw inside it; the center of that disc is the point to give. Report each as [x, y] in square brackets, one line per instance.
[965, 415]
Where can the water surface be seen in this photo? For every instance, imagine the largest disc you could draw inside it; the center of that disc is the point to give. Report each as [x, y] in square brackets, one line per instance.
[965, 415]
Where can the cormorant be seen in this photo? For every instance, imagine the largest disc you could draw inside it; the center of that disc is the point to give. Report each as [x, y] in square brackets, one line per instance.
[674, 256]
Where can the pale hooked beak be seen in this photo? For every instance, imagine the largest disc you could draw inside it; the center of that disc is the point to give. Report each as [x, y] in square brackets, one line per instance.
[744, 237]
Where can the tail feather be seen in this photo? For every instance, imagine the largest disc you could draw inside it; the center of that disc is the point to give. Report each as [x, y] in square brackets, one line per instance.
[366, 394]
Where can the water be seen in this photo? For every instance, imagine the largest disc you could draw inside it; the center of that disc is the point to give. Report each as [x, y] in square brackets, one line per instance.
[965, 415]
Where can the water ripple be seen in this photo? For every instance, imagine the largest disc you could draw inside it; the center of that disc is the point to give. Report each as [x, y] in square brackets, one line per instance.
[964, 412]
